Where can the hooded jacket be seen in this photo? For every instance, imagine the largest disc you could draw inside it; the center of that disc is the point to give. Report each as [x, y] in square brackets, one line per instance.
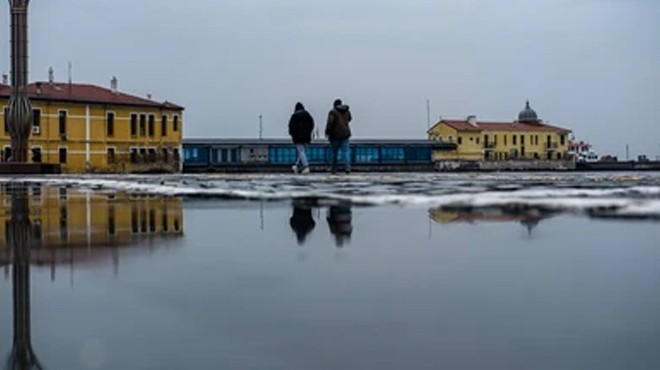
[338, 127]
[301, 125]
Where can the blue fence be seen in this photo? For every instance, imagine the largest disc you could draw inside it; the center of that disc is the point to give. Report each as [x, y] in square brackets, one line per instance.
[277, 154]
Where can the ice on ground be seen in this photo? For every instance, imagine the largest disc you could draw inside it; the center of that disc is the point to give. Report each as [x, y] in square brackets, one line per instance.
[630, 195]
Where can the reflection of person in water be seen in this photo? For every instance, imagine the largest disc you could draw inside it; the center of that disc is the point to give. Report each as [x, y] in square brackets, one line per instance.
[301, 221]
[340, 223]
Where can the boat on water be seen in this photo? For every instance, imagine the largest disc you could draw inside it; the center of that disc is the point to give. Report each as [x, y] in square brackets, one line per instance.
[582, 152]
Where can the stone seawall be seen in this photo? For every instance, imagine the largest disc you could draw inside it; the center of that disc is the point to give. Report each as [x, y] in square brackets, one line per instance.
[527, 165]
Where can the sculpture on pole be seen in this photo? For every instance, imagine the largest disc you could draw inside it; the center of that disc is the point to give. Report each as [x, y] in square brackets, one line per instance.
[19, 119]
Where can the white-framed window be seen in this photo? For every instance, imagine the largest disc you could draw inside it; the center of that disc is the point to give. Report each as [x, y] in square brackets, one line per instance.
[62, 154]
[61, 119]
[175, 123]
[134, 123]
[36, 154]
[163, 125]
[111, 154]
[36, 121]
[110, 123]
[134, 154]
[151, 128]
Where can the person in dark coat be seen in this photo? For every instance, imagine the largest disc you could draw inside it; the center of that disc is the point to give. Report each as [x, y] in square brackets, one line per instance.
[301, 126]
[302, 221]
[340, 220]
[338, 131]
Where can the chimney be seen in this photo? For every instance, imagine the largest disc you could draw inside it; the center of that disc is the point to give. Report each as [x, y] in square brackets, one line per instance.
[5, 79]
[51, 75]
[472, 120]
[149, 95]
[113, 84]
[39, 89]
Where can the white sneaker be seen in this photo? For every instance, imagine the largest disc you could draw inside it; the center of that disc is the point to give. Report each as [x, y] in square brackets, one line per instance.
[305, 170]
[294, 168]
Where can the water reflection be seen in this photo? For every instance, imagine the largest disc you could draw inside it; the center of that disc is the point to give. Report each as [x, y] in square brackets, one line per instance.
[302, 221]
[46, 226]
[338, 216]
[18, 235]
[340, 221]
[530, 219]
[69, 227]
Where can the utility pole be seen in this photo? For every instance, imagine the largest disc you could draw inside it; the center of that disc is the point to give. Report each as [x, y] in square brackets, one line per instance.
[428, 114]
[627, 152]
[261, 127]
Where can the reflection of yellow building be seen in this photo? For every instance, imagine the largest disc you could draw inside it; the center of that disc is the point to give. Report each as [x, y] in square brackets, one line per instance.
[72, 220]
[526, 138]
[88, 128]
[443, 216]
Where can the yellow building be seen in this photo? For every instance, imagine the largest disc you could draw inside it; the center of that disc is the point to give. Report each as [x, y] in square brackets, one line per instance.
[88, 128]
[526, 138]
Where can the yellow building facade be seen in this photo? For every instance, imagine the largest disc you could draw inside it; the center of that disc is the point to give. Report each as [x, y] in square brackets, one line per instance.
[528, 138]
[88, 128]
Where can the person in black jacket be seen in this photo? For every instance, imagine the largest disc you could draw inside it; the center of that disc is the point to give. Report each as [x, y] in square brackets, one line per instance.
[301, 126]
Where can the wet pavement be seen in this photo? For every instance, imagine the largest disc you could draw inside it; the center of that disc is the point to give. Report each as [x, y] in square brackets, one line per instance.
[105, 276]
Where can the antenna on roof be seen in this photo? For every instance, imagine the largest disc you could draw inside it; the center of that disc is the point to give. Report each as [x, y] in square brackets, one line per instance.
[114, 84]
[70, 67]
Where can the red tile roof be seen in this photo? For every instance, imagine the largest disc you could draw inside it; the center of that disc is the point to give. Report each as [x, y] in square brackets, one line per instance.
[463, 125]
[86, 94]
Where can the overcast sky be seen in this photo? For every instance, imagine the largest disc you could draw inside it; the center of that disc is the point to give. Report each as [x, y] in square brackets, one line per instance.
[589, 65]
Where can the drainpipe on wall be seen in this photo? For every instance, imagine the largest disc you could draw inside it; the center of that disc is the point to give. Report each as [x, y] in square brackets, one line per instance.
[88, 164]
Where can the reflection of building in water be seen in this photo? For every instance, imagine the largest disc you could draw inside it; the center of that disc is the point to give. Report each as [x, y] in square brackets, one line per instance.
[53, 226]
[340, 221]
[69, 225]
[527, 219]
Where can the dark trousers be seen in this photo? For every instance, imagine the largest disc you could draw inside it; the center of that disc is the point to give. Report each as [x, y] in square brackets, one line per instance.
[342, 145]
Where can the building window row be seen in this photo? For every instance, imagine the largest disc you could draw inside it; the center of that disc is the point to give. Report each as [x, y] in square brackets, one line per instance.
[147, 124]
[151, 155]
[144, 222]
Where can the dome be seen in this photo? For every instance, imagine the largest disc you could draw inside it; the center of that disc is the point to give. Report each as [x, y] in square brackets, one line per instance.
[528, 115]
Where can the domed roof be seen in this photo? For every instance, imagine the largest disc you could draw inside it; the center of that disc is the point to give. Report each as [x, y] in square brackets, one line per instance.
[528, 115]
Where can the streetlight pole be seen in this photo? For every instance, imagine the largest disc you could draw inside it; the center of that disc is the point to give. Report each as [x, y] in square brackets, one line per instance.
[261, 127]
[19, 120]
[428, 114]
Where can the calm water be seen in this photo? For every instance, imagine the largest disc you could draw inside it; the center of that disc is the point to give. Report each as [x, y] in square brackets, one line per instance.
[463, 273]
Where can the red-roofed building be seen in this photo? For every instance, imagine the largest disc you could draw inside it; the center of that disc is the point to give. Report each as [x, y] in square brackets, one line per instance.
[526, 138]
[90, 128]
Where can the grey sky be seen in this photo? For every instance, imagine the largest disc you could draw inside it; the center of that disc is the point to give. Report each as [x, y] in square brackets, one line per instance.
[589, 65]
